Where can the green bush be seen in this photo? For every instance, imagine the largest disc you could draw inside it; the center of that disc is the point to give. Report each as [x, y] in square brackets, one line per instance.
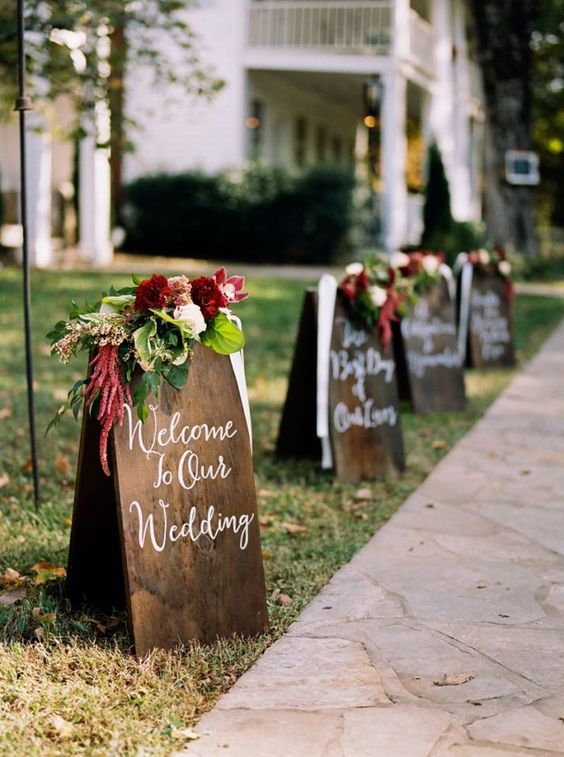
[441, 232]
[261, 214]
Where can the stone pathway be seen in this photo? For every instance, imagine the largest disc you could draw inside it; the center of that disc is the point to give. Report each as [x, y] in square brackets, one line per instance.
[445, 634]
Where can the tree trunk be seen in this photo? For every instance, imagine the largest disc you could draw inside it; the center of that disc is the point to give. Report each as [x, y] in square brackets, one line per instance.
[116, 104]
[503, 30]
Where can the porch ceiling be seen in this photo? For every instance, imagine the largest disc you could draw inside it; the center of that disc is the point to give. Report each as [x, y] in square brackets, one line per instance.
[341, 89]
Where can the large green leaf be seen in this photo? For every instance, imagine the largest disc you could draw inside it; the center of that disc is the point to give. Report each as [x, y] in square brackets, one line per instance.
[223, 336]
[119, 301]
[176, 375]
[141, 339]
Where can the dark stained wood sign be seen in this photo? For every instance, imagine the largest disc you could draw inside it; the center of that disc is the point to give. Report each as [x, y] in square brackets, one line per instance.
[175, 533]
[365, 429]
[490, 327]
[430, 372]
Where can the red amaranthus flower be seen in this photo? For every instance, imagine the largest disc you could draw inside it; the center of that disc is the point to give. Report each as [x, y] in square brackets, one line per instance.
[152, 293]
[388, 311]
[206, 293]
[106, 380]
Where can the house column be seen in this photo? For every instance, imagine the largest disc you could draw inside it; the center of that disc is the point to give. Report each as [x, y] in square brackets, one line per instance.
[38, 175]
[94, 192]
[394, 152]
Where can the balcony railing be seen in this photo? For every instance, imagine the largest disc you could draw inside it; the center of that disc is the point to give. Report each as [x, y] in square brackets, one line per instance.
[353, 26]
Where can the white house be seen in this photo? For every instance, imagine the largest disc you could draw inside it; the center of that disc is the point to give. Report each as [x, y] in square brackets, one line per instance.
[318, 81]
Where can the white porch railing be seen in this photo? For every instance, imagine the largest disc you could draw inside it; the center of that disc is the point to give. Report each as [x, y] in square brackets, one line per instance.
[347, 26]
[421, 42]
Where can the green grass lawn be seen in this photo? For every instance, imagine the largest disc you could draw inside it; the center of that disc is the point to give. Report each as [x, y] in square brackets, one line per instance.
[68, 682]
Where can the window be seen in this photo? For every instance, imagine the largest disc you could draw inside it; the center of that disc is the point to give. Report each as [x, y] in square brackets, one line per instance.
[300, 141]
[255, 124]
[337, 149]
[321, 144]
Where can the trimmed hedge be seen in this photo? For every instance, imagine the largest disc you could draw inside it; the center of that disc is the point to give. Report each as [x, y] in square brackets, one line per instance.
[261, 215]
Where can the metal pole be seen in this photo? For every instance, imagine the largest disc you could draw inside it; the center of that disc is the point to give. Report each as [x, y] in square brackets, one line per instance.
[23, 104]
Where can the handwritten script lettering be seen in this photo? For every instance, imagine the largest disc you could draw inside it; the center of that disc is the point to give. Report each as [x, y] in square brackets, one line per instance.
[155, 440]
[421, 331]
[161, 533]
[354, 360]
[489, 324]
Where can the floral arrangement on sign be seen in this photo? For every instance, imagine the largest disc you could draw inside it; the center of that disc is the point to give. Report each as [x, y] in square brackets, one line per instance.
[422, 268]
[493, 263]
[374, 294]
[154, 325]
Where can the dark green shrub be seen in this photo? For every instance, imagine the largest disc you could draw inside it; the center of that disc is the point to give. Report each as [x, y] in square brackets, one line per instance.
[263, 214]
[440, 231]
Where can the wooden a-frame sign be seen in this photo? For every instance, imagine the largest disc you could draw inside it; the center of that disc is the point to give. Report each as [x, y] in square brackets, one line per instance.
[429, 366]
[364, 424]
[173, 533]
[490, 324]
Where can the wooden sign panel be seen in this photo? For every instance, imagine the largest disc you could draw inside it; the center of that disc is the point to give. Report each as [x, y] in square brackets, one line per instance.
[365, 430]
[297, 437]
[184, 504]
[428, 361]
[365, 427]
[490, 328]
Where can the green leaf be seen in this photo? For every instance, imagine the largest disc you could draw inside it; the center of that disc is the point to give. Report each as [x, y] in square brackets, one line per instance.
[119, 301]
[176, 375]
[57, 332]
[223, 336]
[141, 339]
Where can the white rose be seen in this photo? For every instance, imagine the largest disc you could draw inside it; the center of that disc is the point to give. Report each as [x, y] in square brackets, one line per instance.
[484, 257]
[192, 317]
[378, 296]
[504, 267]
[399, 260]
[354, 269]
[430, 264]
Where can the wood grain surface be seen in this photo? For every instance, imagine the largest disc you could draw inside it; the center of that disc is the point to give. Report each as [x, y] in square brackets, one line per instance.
[490, 328]
[365, 426]
[186, 514]
[297, 435]
[427, 357]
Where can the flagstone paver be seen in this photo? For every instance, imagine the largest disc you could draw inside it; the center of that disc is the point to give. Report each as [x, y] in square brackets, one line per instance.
[445, 634]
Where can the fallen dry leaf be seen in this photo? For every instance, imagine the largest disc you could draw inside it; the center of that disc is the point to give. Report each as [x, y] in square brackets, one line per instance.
[61, 395]
[284, 600]
[5, 412]
[265, 493]
[27, 467]
[60, 727]
[4, 480]
[293, 528]
[11, 578]
[439, 444]
[62, 464]
[43, 617]
[454, 679]
[46, 571]
[11, 597]
[363, 494]
[186, 734]
[39, 634]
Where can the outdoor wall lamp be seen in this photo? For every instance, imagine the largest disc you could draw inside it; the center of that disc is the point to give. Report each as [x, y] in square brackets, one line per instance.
[373, 91]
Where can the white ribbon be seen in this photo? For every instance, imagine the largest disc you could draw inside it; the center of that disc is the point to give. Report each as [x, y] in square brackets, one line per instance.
[446, 273]
[238, 365]
[327, 295]
[467, 272]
